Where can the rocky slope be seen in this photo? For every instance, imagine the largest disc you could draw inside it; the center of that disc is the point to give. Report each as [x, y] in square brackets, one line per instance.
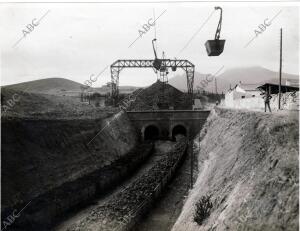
[248, 163]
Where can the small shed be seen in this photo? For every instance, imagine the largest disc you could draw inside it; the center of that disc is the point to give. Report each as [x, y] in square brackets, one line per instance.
[197, 104]
[274, 88]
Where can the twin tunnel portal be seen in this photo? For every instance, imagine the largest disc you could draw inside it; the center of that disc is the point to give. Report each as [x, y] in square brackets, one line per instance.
[166, 124]
[161, 124]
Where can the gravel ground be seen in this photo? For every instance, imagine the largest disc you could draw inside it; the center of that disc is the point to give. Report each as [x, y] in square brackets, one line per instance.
[167, 209]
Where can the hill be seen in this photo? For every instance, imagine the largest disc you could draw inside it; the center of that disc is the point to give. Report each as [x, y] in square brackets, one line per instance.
[62, 87]
[253, 75]
[179, 81]
[34, 105]
[50, 86]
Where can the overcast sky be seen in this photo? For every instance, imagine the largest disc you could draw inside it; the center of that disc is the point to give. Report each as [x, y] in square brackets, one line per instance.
[74, 41]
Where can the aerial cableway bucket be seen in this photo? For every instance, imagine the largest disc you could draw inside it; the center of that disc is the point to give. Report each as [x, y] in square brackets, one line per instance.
[157, 62]
[215, 47]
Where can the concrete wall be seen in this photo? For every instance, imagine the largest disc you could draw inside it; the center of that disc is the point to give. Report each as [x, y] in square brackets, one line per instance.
[165, 121]
[289, 101]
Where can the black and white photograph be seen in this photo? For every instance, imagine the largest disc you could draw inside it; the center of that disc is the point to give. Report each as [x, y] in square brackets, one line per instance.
[157, 115]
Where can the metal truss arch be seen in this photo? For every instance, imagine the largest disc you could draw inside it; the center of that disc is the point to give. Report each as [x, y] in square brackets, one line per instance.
[118, 65]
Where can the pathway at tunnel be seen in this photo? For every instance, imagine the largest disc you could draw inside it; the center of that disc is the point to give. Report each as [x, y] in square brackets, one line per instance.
[168, 207]
[161, 147]
[178, 130]
[151, 133]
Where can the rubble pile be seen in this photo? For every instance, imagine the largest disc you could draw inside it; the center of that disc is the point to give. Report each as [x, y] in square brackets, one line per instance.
[151, 97]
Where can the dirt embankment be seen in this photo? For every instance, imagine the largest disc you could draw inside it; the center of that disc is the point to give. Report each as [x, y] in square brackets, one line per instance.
[248, 163]
[41, 155]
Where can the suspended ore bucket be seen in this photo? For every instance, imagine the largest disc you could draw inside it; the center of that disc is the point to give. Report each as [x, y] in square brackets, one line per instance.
[157, 64]
[214, 47]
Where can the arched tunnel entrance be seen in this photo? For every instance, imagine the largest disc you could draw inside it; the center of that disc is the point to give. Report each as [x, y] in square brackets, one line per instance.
[151, 132]
[178, 129]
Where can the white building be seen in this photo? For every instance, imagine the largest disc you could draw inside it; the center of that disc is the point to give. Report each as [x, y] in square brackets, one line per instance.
[247, 96]
[241, 91]
[197, 104]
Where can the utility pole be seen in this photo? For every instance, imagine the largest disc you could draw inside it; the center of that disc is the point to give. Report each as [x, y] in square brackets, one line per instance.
[280, 69]
[192, 160]
[216, 89]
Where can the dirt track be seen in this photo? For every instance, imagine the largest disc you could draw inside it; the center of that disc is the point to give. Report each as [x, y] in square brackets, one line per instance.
[166, 210]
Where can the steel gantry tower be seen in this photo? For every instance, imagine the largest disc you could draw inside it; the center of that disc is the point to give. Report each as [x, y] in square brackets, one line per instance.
[118, 65]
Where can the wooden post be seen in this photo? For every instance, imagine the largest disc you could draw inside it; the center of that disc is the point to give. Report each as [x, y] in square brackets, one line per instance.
[216, 88]
[192, 161]
[280, 69]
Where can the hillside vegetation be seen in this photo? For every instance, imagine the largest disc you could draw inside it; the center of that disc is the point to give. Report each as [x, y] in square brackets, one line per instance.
[52, 86]
[44, 106]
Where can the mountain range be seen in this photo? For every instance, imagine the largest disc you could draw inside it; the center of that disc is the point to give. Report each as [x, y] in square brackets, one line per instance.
[230, 77]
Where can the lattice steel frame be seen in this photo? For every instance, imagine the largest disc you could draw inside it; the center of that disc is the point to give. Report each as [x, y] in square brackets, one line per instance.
[118, 65]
